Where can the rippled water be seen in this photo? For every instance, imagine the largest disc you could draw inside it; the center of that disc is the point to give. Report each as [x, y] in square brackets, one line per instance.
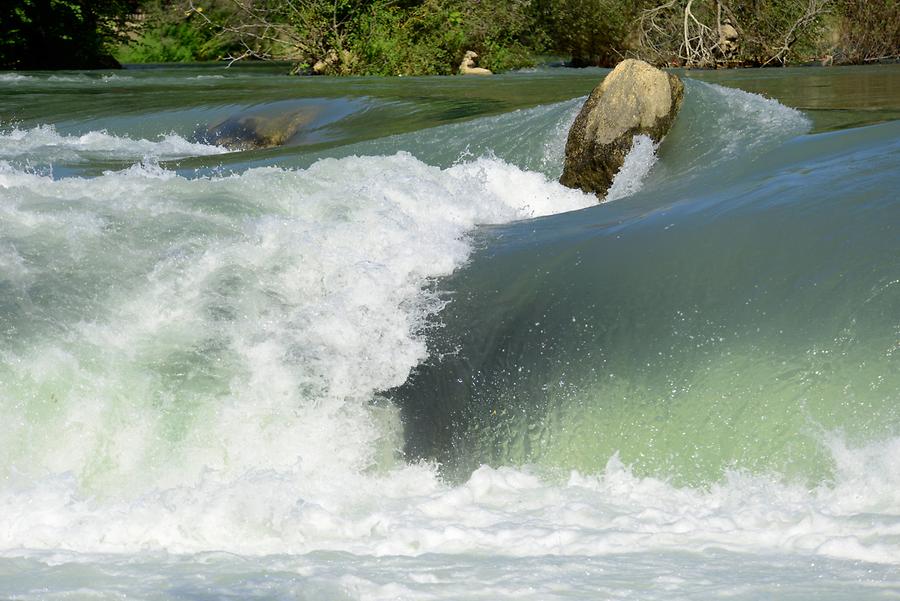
[394, 359]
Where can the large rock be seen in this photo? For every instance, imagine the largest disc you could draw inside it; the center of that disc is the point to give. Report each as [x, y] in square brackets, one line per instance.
[635, 98]
[249, 131]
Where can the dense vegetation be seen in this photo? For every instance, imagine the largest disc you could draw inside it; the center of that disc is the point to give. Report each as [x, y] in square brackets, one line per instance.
[61, 34]
[406, 37]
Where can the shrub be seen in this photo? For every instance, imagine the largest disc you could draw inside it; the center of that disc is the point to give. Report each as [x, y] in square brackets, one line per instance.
[869, 30]
[769, 32]
[779, 31]
[171, 31]
[61, 34]
[592, 32]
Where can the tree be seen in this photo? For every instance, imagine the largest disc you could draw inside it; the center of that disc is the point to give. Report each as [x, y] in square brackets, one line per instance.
[385, 37]
[707, 33]
[61, 34]
[592, 32]
[869, 31]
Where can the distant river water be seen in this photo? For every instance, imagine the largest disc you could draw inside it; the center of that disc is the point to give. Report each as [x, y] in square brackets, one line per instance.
[394, 359]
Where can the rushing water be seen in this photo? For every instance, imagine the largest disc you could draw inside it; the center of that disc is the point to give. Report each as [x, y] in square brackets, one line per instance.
[394, 359]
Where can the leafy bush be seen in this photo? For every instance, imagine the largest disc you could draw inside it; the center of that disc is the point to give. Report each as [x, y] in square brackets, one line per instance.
[164, 43]
[768, 32]
[419, 37]
[342, 36]
[779, 31]
[416, 38]
[869, 30]
[171, 31]
[61, 34]
[425, 39]
[592, 32]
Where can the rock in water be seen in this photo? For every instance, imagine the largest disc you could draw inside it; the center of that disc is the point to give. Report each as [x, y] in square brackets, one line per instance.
[257, 130]
[635, 98]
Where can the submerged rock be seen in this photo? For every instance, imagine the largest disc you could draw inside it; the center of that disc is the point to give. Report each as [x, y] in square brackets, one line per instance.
[635, 98]
[252, 131]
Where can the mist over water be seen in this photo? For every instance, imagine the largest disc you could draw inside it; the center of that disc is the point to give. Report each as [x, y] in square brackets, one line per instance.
[398, 360]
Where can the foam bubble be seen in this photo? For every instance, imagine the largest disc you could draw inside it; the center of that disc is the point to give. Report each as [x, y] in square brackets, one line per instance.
[554, 151]
[209, 379]
[719, 126]
[753, 121]
[195, 367]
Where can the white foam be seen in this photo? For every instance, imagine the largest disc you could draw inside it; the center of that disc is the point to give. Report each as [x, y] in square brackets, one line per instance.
[228, 364]
[68, 78]
[13, 78]
[502, 512]
[753, 121]
[215, 347]
[44, 144]
[719, 125]
[638, 163]
[554, 151]
[113, 78]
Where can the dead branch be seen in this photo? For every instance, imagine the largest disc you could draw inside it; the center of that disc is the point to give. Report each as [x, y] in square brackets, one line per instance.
[814, 11]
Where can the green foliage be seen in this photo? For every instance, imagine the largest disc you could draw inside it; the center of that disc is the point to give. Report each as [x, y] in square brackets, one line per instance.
[169, 31]
[431, 38]
[504, 33]
[592, 32]
[778, 31]
[418, 37]
[164, 43]
[340, 37]
[869, 30]
[415, 38]
[769, 32]
[423, 40]
[61, 34]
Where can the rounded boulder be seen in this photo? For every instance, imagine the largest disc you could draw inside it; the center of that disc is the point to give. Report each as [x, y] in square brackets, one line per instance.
[635, 98]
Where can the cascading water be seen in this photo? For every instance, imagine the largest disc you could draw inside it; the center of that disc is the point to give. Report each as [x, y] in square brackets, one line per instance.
[409, 365]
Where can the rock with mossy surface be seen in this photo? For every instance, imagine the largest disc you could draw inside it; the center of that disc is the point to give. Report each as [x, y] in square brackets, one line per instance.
[250, 131]
[634, 99]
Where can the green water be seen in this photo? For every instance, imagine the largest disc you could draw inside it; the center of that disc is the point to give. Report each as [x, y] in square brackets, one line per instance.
[147, 101]
[834, 97]
[395, 359]
[726, 320]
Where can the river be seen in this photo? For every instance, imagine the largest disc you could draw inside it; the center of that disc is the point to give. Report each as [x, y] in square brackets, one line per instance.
[395, 359]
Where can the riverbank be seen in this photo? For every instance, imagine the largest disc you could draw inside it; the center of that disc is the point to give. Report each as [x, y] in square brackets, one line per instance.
[430, 37]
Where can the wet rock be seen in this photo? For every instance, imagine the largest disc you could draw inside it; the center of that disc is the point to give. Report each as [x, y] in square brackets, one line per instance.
[252, 131]
[635, 98]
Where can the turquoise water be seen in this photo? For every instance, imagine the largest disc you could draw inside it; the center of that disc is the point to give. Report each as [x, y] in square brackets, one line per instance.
[394, 359]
